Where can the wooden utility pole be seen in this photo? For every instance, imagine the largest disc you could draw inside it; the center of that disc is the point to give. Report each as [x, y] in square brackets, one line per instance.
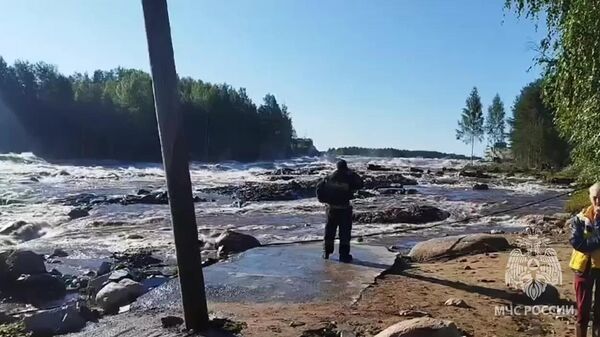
[175, 160]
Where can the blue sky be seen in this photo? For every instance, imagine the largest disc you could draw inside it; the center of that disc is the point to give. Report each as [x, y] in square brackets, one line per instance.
[378, 73]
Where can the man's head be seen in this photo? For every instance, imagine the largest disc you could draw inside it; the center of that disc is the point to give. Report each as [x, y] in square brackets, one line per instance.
[342, 165]
[595, 194]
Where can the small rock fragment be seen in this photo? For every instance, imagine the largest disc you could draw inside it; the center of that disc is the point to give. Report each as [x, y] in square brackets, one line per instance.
[294, 324]
[414, 313]
[456, 302]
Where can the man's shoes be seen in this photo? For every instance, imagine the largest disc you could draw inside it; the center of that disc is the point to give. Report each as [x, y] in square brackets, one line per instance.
[346, 258]
[325, 256]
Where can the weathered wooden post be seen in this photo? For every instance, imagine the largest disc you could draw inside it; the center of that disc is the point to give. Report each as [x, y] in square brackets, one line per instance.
[175, 161]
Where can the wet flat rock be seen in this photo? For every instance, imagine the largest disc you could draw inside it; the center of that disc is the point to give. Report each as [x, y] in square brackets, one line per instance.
[275, 274]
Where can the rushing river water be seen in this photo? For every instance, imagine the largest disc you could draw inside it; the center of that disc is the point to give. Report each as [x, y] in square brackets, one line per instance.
[31, 189]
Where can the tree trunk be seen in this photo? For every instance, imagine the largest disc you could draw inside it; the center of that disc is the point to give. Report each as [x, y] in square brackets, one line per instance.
[472, 145]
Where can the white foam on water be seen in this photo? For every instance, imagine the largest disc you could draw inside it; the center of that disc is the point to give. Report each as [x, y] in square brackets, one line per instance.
[268, 221]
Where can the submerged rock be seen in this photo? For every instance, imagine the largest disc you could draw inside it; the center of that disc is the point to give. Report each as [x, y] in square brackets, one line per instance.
[292, 190]
[59, 253]
[142, 196]
[24, 231]
[422, 327]
[411, 214]
[562, 180]
[114, 295]
[362, 194]
[474, 174]
[142, 191]
[77, 213]
[391, 191]
[459, 245]
[387, 180]
[375, 167]
[481, 187]
[136, 258]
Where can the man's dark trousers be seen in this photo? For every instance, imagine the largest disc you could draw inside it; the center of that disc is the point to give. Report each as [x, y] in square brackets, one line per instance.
[338, 216]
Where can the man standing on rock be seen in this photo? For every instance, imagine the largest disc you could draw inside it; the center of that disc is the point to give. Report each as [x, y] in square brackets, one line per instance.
[336, 190]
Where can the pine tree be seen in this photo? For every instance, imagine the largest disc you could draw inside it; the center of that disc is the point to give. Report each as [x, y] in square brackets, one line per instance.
[470, 125]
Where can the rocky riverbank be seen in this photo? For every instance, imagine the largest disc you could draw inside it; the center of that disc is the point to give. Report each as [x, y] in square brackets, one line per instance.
[451, 285]
[108, 246]
[34, 292]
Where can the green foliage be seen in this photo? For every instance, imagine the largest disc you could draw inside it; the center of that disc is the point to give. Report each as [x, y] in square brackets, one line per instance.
[494, 124]
[13, 330]
[110, 115]
[394, 153]
[470, 126]
[570, 57]
[578, 201]
[534, 138]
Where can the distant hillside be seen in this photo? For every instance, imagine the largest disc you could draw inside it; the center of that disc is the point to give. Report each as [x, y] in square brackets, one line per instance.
[394, 153]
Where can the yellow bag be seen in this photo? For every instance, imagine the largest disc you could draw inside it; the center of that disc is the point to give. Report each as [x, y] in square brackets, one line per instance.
[579, 261]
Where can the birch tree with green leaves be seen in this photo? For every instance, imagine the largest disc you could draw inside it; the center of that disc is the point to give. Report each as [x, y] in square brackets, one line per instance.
[569, 56]
[470, 125]
[495, 124]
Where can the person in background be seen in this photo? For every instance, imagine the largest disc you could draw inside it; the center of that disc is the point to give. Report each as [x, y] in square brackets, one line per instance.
[337, 190]
[585, 262]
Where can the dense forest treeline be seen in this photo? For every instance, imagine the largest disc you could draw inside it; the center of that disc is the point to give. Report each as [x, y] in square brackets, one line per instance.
[110, 115]
[393, 153]
[534, 136]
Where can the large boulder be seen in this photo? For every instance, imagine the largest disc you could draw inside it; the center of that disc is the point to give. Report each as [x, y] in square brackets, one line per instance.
[453, 246]
[114, 295]
[38, 288]
[13, 263]
[104, 268]
[55, 321]
[413, 215]
[234, 242]
[422, 327]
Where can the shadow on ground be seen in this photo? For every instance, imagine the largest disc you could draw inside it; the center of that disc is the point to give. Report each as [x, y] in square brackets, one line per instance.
[550, 297]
